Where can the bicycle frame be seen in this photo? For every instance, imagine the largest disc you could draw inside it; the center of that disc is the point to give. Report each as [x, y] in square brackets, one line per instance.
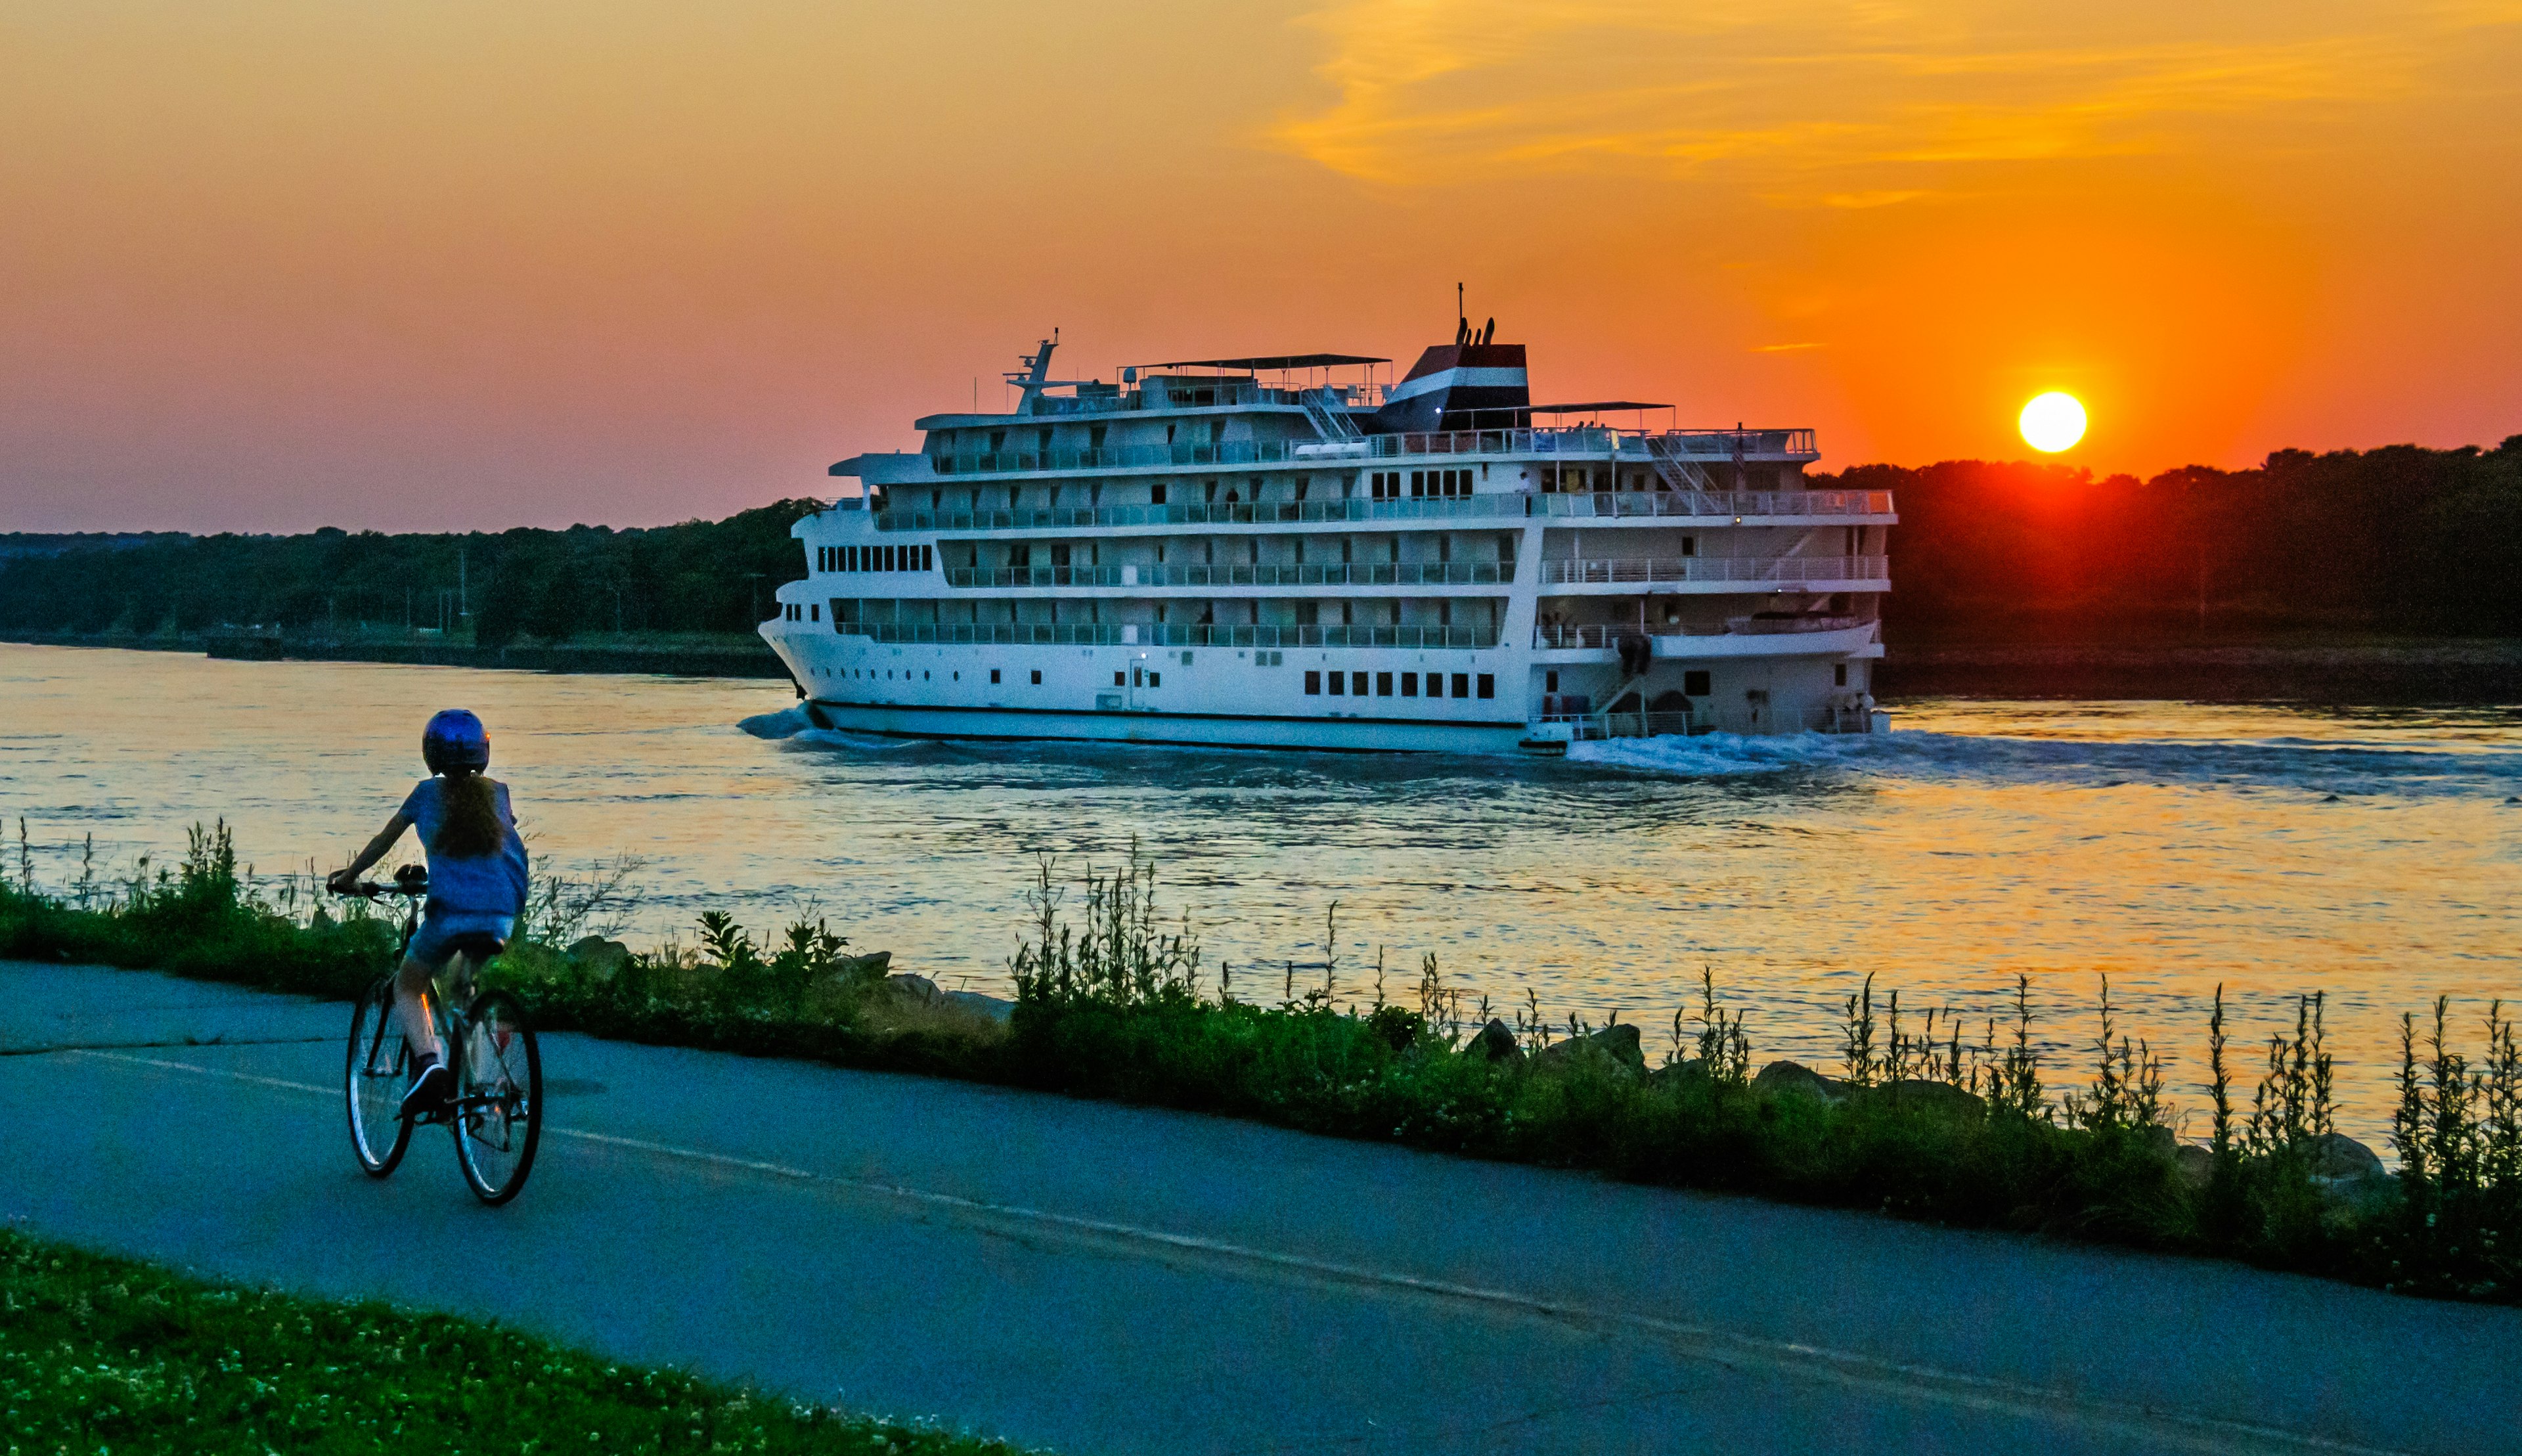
[445, 1013]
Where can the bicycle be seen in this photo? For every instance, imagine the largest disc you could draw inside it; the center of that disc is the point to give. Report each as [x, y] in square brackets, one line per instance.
[497, 1113]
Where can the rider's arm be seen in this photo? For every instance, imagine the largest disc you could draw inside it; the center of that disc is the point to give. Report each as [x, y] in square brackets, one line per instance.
[377, 850]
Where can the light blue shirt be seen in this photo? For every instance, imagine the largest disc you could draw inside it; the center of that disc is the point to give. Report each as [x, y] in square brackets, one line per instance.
[481, 884]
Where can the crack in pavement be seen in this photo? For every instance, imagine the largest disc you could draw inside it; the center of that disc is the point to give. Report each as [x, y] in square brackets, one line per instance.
[1729, 1350]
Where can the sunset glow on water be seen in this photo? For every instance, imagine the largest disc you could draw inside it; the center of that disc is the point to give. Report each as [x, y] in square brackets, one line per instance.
[2369, 855]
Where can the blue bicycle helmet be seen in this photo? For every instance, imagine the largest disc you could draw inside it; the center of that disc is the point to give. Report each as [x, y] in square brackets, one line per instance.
[455, 739]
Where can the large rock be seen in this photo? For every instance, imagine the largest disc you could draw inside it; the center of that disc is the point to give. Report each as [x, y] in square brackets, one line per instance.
[908, 987]
[1616, 1044]
[1928, 1095]
[974, 1001]
[2335, 1158]
[1794, 1079]
[598, 957]
[1496, 1043]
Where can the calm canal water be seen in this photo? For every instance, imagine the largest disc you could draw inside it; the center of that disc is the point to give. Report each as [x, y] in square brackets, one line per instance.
[2372, 855]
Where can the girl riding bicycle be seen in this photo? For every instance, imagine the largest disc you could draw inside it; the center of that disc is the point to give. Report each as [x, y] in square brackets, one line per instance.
[477, 881]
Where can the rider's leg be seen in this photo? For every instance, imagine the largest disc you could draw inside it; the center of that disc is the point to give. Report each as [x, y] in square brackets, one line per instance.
[411, 1010]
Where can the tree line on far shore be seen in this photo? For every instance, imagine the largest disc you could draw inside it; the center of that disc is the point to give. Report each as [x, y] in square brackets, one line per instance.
[698, 577]
[2400, 539]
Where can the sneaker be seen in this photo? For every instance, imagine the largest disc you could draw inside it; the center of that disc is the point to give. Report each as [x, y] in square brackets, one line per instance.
[431, 1092]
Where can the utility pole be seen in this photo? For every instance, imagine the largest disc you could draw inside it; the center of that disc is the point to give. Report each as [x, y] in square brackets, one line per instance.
[463, 602]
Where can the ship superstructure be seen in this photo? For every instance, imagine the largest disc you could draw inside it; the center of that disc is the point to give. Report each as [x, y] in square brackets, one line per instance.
[1286, 551]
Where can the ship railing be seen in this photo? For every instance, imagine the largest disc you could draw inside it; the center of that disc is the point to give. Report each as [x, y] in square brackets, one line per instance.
[1678, 569]
[1605, 635]
[1696, 504]
[1265, 574]
[1632, 724]
[1714, 503]
[1645, 445]
[1704, 718]
[1167, 634]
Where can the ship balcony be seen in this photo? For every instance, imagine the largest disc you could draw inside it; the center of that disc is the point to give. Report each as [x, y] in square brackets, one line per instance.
[1735, 637]
[1168, 634]
[1718, 573]
[1589, 441]
[1739, 507]
[1265, 574]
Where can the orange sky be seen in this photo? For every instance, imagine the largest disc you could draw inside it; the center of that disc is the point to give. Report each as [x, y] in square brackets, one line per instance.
[272, 266]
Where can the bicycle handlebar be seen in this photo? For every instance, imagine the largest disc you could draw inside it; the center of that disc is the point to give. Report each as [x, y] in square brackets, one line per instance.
[409, 886]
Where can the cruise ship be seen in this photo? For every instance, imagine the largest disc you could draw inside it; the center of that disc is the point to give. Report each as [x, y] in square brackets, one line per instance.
[1296, 551]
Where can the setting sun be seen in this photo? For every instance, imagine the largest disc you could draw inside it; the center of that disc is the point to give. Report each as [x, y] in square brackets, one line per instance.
[2053, 422]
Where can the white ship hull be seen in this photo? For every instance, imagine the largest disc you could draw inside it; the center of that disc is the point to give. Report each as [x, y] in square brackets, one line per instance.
[1074, 571]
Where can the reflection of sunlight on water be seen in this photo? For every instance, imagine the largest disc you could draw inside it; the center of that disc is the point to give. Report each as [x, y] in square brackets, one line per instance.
[2370, 853]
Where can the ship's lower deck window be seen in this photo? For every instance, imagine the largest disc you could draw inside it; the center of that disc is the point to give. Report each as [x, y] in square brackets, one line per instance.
[1357, 684]
[1462, 684]
[1037, 676]
[1410, 685]
[993, 677]
[1694, 685]
[1384, 684]
[1313, 684]
[1340, 685]
[1839, 676]
[1488, 686]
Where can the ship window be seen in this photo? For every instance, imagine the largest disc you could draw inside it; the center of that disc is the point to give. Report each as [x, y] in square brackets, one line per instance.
[1489, 684]
[1689, 545]
[1357, 684]
[1037, 676]
[1155, 679]
[1410, 685]
[993, 677]
[1462, 684]
[1435, 684]
[1120, 680]
[1418, 483]
[1840, 675]
[1550, 682]
[1694, 685]
[998, 440]
[815, 613]
[1339, 683]
[1384, 684]
[1313, 684]
[1156, 494]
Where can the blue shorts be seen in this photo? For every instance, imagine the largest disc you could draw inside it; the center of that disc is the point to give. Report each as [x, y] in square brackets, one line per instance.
[434, 941]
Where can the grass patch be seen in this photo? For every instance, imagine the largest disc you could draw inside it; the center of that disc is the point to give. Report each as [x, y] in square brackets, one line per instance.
[1922, 1120]
[100, 1353]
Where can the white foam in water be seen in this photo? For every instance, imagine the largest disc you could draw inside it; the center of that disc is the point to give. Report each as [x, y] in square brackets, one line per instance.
[1714, 755]
[787, 722]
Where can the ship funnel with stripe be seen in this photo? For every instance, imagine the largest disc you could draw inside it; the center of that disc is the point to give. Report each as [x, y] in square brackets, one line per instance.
[1469, 384]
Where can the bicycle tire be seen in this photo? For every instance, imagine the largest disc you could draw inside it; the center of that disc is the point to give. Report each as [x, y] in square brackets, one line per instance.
[498, 1117]
[376, 1072]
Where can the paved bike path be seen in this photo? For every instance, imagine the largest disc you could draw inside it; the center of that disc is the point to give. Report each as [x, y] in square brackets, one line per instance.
[1103, 1279]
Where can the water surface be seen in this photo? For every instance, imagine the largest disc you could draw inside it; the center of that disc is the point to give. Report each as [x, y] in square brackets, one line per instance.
[2372, 855]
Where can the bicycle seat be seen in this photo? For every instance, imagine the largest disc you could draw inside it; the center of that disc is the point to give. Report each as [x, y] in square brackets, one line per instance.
[479, 944]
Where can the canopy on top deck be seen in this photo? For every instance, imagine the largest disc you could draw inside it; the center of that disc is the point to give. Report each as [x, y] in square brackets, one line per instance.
[1274, 361]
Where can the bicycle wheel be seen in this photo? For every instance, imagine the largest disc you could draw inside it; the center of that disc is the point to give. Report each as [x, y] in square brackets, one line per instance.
[374, 1077]
[498, 1096]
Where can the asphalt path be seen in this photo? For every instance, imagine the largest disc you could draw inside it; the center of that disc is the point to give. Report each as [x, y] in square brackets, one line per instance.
[1101, 1279]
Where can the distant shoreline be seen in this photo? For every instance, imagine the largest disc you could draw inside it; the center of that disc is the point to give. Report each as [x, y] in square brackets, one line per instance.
[2474, 671]
[661, 659]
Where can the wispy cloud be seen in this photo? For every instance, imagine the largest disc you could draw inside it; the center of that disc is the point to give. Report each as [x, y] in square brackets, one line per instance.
[1431, 91]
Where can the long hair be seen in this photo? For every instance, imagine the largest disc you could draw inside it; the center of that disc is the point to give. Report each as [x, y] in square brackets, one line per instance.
[471, 828]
